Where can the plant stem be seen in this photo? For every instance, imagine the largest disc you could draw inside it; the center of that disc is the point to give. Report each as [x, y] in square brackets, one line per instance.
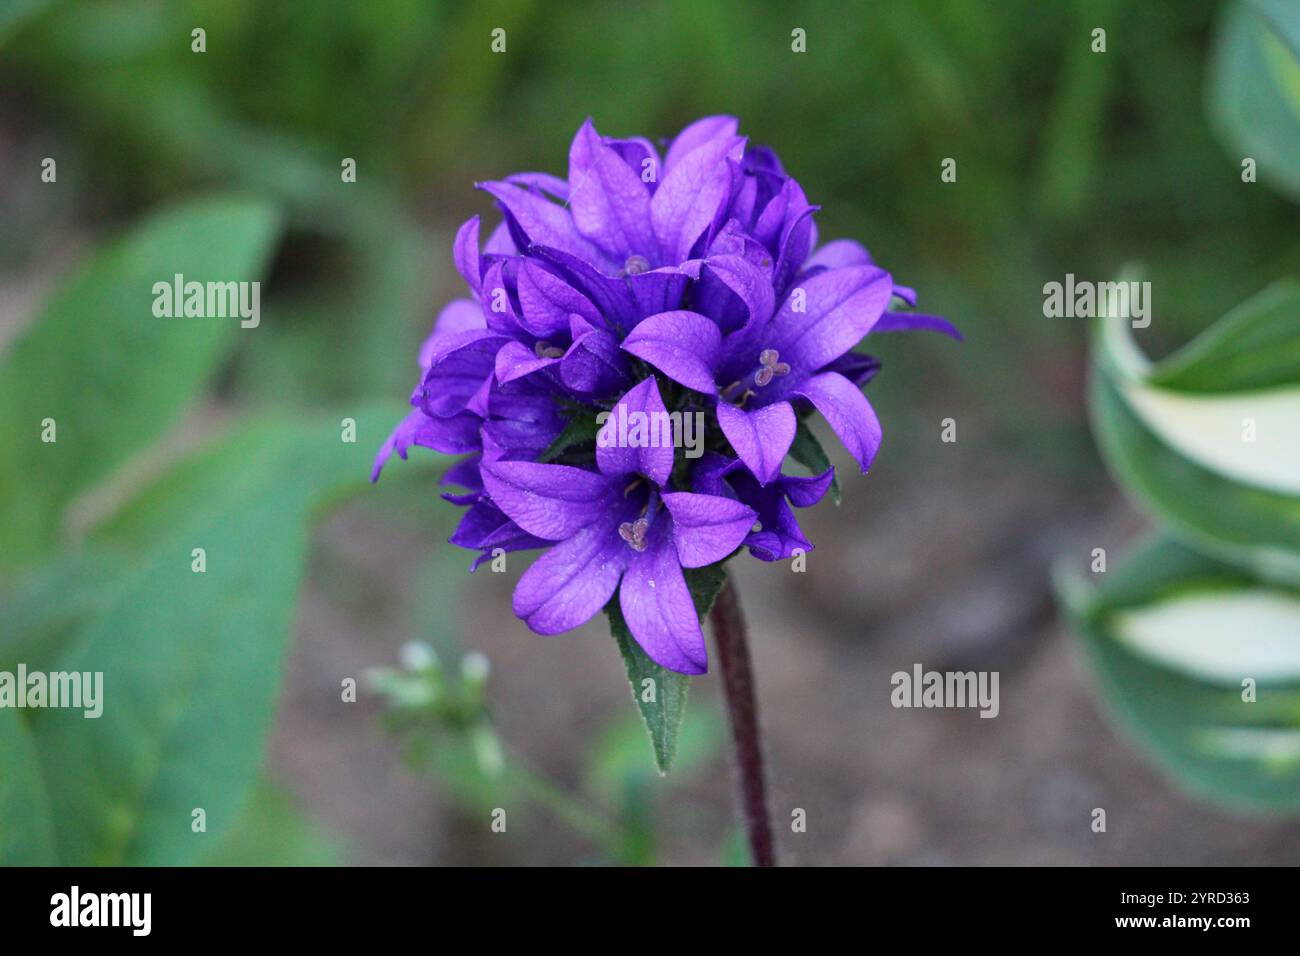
[742, 708]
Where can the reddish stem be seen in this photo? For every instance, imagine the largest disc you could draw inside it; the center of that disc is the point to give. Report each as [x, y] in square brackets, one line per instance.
[742, 708]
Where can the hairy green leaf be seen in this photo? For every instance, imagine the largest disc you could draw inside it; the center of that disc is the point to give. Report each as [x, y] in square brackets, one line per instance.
[660, 694]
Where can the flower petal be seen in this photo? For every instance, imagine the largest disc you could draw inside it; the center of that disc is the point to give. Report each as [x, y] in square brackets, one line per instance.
[523, 418]
[610, 204]
[611, 295]
[594, 364]
[806, 490]
[535, 220]
[515, 360]
[485, 527]
[761, 437]
[550, 501]
[464, 252]
[623, 447]
[707, 528]
[458, 375]
[709, 477]
[916, 322]
[635, 151]
[839, 253]
[497, 296]
[840, 307]
[847, 411]
[734, 292]
[553, 186]
[693, 196]
[464, 474]
[660, 290]
[683, 345]
[570, 583]
[797, 237]
[658, 608]
[453, 436]
[546, 301]
[697, 134]
[858, 367]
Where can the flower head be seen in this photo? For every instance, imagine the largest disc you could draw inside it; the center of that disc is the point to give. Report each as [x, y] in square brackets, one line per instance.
[646, 288]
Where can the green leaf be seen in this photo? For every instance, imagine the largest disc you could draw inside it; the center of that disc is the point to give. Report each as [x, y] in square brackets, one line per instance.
[1251, 526]
[44, 610]
[1255, 87]
[111, 375]
[705, 585]
[580, 429]
[26, 834]
[808, 451]
[662, 715]
[617, 761]
[273, 831]
[1222, 469]
[1255, 346]
[192, 662]
[1172, 635]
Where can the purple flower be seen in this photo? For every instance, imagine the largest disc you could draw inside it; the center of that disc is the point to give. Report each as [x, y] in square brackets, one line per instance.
[757, 372]
[687, 273]
[618, 523]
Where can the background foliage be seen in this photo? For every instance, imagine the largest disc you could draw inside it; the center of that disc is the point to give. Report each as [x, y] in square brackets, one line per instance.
[227, 163]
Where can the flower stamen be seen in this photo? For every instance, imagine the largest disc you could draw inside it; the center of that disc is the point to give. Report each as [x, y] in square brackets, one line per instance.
[633, 532]
[769, 367]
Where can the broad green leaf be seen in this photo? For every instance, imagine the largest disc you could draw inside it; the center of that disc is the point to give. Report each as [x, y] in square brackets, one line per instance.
[1250, 435]
[1252, 438]
[349, 331]
[808, 451]
[192, 662]
[1239, 523]
[43, 611]
[1173, 637]
[662, 714]
[26, 834]
[1254, 347]
[1255, 87]
[273, 831]
[1187, 634]
[110, 374]
[1222, 469]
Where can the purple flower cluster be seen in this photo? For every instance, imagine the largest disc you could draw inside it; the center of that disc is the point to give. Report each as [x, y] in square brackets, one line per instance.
[683, 283]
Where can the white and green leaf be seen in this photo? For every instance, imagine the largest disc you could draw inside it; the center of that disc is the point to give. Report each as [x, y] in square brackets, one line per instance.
[1218, 461]
[1200, 663]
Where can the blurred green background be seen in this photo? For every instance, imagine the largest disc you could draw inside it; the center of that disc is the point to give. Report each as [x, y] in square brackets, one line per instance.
[1068, 161]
